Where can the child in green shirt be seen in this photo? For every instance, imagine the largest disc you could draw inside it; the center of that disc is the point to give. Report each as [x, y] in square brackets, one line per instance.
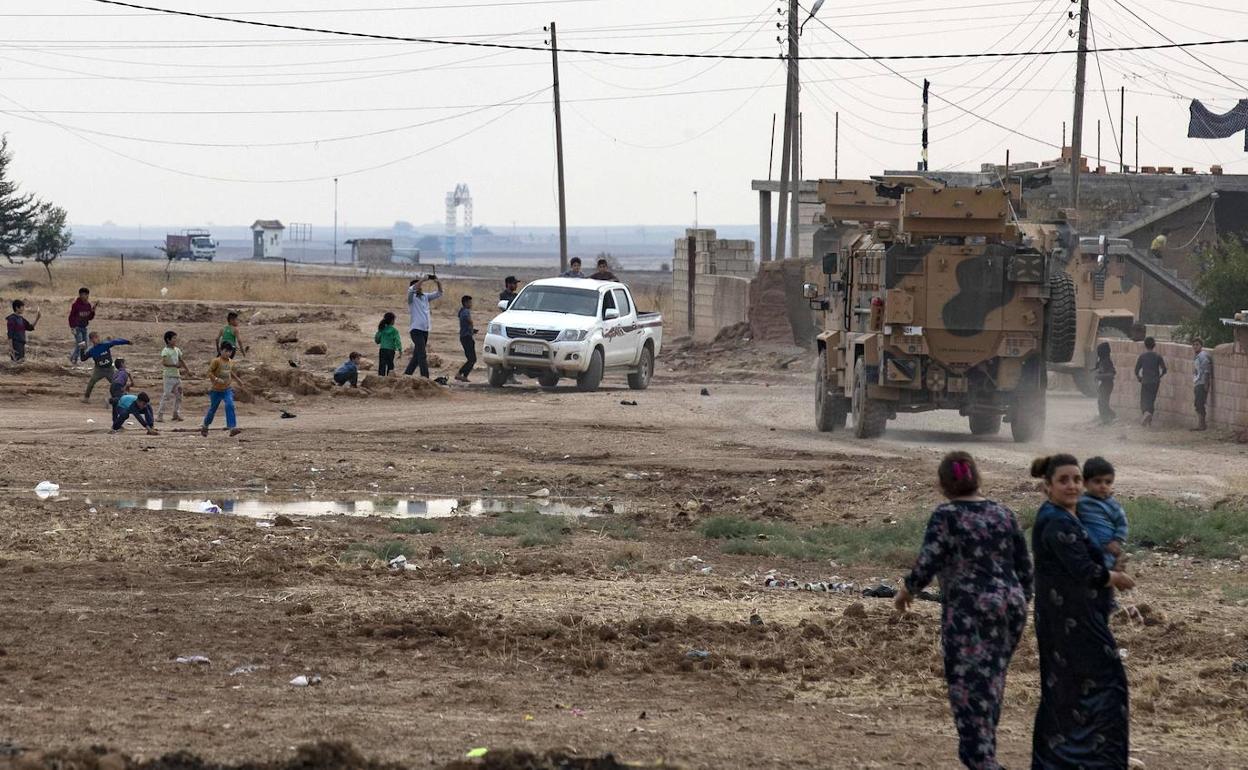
[229, 333]
[173, 368]
[390, 344]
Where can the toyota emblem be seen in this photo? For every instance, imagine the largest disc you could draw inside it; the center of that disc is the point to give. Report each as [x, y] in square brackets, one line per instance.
[531, 332]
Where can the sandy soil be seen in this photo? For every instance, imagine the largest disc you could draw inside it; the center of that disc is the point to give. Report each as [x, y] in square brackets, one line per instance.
[581, 646]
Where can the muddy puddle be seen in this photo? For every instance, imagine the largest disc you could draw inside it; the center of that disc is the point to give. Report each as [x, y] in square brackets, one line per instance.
[393, 508]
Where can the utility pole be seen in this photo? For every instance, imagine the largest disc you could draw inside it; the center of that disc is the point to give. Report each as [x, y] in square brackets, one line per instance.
[796, 177]
[786, 165]
[1122, 129]
[1137, 144]
[1098, 143]
[1076, 131]
[771, 149]
[335, 220]
[563, 209]
[836, 147]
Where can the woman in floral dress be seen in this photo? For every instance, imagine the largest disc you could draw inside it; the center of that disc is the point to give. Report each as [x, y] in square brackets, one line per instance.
[978, 550]
[1082, 721]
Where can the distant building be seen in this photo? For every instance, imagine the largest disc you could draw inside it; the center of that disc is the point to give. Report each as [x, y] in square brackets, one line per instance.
[372, 252]
[266, 238]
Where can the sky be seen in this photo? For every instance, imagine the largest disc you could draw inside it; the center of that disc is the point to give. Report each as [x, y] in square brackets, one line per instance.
[137, 117]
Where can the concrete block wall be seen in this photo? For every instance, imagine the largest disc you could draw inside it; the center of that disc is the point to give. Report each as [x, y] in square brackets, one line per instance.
[1228, 398]
[720, 280]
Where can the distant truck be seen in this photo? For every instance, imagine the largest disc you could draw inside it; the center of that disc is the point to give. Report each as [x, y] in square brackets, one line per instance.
[191, 244]
[573, 327]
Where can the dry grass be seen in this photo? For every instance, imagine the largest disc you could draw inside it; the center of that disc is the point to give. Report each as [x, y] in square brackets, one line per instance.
[224, 282]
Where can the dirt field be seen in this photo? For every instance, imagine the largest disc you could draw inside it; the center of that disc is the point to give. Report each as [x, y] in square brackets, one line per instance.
[591, 639]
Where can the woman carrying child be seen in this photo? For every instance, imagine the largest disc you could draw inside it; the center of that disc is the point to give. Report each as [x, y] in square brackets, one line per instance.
[1082, 720]
[978, 550]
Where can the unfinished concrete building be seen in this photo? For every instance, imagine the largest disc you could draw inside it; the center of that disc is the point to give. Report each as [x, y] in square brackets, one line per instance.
[710, 283]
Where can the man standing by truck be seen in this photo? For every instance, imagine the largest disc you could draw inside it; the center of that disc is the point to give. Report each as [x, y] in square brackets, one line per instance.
[81, 313]
[418, 303]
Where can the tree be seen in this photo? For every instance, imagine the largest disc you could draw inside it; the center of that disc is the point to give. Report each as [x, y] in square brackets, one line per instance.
[50, 238]
[1224, 285]
[17, 211]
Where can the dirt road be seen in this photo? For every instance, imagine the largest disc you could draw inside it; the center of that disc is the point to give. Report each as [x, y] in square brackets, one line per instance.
[509, 633]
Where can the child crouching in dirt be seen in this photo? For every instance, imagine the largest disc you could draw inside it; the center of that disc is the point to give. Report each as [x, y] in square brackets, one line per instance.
[978, 550]
[138, 406]
[222, 377]
[349, 372]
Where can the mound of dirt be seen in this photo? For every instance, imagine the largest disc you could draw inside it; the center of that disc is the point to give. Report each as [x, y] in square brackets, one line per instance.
[301, 316]
[40, 367]
[297, 381]
[409, 387]
[319, 756]
[172, 312]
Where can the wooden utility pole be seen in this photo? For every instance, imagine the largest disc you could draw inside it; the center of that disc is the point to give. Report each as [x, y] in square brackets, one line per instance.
[1122, 129]
[796, 176]
[786, 165]
[1137, 144]
[1076, 130]
[563, 207]
[836, 147]
[771, 149]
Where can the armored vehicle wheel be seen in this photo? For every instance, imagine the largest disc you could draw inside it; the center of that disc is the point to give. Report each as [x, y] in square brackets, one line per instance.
[1060, 320]
[985, 424]
[870, 415]
[1085, 382]
[498, 376]
[548, 379]
[1027, 414]
[830, 411]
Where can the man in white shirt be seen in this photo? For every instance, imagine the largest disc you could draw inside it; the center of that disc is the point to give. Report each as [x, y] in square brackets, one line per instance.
[418, 302]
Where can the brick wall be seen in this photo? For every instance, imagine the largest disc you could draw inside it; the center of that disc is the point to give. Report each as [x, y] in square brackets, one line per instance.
[1228, 399]
[720, 278]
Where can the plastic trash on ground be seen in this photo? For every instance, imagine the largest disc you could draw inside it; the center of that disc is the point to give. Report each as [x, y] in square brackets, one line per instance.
[303, 680]
[46, 489]
[193, 660]
[208, 506]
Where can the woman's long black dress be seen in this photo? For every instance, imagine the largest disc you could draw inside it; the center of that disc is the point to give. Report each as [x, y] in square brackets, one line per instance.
[1083, 718]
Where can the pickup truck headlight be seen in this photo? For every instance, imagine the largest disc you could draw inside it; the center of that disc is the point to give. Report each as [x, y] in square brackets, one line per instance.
[495, 329]
[572, 335]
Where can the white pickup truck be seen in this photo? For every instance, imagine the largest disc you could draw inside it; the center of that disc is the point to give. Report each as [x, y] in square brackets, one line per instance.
[573, 327]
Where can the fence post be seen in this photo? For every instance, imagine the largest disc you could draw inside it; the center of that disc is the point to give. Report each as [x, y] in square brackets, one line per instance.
[285, 278]
[123, 264]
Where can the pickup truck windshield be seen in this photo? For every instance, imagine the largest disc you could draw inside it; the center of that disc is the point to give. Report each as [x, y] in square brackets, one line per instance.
[557, 299]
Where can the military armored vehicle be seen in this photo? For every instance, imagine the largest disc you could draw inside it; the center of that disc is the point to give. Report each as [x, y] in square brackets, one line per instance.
[938, 303]
[1107, 303]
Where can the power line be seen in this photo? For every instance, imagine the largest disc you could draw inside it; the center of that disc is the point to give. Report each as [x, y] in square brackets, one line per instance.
[1163, 36]
[1113, 132]
[302, 11]
[654, 54]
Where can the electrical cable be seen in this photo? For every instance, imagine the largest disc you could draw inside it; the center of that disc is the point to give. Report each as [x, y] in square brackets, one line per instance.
[1163, 35]
[656, 54]
[327, 177]
[1113, 131]
[304, 143]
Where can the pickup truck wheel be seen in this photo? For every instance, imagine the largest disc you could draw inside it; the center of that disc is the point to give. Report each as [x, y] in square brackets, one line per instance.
[589, 381]
[548, 379]
[830, 408]
[498, 376]
[640, 380]
[870, 415]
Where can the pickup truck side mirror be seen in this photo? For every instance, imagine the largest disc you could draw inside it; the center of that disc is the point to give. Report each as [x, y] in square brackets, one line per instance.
[503, 304]
[611, 313]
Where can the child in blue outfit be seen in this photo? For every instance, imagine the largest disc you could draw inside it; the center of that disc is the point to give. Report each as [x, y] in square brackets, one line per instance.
[1102, 515]
[349, 372]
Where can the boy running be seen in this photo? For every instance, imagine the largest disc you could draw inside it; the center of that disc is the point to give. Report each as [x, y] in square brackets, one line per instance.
[222, 376]
[174, 367]
[81, 313]
[1150, 367]
[101, 354]
[466, 332]
[18, 325]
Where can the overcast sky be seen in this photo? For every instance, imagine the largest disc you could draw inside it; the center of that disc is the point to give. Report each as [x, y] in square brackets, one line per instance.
[641, 134]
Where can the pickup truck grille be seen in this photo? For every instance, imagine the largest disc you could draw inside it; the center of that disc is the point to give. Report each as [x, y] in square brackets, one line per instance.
[516, 332]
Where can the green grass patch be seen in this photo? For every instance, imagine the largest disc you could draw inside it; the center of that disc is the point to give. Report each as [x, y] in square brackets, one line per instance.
[368, 552]
[461, 556]
[1162, 525]
[894, 545]
[415, 527]
[1235, 593]
[614, 528]
[528, 527]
